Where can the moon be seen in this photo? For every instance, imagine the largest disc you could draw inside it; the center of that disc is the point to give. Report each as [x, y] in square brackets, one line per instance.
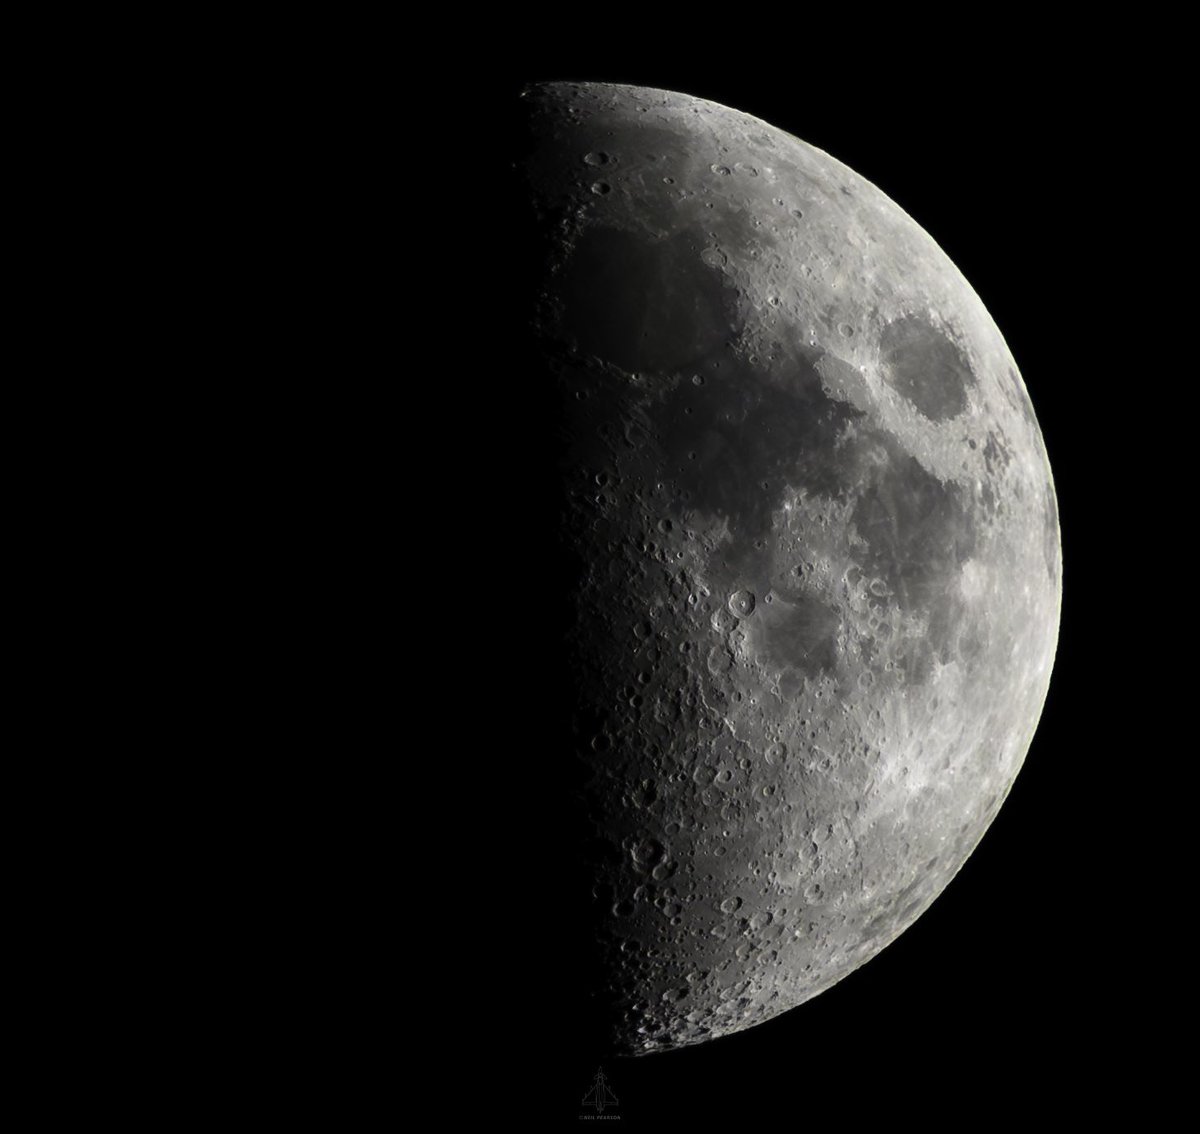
[812, 547]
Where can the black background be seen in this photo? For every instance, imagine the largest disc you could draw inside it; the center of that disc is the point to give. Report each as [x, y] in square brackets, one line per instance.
[1023, 989]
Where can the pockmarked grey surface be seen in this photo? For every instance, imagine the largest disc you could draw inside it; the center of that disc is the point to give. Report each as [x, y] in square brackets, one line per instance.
[817, 596]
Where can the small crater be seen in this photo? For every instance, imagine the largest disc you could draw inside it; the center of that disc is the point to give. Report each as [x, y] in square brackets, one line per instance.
[648, 853]
[741, 603]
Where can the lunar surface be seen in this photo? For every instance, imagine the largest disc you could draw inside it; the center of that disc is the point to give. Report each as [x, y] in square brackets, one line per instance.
[814, 587]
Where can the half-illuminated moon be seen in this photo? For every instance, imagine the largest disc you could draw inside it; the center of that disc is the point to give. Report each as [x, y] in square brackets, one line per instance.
[816, 590]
